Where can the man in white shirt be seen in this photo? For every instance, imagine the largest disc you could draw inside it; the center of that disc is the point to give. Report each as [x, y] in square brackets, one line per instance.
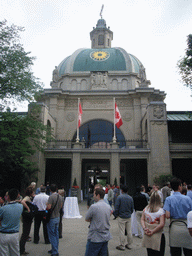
[41, 201]
[189, 222]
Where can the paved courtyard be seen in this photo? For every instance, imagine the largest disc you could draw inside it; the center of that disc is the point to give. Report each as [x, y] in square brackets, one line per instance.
[75, 235]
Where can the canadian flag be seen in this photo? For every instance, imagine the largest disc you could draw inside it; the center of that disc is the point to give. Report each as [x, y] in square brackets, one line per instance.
[118, 119]
[79, 114]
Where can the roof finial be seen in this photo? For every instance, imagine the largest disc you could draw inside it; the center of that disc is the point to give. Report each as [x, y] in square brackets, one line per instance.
[101, 10]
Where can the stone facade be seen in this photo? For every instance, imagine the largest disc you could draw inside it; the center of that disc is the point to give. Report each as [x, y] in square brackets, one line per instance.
[145, 152]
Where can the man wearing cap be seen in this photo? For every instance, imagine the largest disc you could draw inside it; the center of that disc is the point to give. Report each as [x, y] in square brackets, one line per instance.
[177, 207]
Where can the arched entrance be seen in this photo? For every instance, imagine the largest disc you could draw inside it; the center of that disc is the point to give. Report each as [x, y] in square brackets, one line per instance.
[99, 133]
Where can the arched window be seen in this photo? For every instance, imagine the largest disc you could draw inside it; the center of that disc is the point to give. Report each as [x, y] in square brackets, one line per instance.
[48, 134]
[146, 131]
[101, 40]
[99, 133]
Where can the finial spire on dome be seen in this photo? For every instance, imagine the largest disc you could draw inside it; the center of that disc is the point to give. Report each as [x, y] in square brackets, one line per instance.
[101, 10]
[101, 36]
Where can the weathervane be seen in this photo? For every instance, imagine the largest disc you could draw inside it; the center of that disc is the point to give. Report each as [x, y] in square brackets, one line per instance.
[101, 10]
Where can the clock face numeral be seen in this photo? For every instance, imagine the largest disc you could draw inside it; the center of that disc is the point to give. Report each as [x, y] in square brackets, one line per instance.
[99, 55]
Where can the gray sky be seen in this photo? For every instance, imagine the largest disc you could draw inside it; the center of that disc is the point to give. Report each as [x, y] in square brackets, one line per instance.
[155, 31]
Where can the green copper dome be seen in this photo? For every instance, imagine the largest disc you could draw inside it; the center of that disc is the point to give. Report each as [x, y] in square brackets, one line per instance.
[110, 59]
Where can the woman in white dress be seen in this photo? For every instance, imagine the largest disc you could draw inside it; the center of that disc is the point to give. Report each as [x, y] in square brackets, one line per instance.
[153, 221]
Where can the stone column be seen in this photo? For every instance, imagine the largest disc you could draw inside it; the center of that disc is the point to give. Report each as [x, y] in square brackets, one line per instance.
[53, 106]
[76, 169]
[159, 159]
[144, 104]
[137, 118]
[41, 165]
[115, 165]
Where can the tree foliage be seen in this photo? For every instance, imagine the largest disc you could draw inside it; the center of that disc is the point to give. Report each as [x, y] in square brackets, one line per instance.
[161, 180]
[20, 135]
[185, 64]
[17, 81]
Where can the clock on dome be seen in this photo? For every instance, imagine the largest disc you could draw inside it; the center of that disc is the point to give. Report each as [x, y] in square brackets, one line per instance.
[99, 55]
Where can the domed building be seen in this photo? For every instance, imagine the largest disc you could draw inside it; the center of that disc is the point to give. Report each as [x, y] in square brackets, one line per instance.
[98, 151]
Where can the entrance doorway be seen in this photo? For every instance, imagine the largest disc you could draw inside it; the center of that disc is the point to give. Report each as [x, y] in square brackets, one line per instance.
[93, 172]
[182, 169]
[133, 173]
[58, 171]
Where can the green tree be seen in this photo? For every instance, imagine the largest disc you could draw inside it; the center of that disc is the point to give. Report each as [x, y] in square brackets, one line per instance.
[17, 81]
[185, 64]
[161, 180]
[20, 135]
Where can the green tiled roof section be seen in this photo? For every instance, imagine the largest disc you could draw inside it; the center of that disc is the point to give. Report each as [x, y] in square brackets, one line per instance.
[115, 62]
[135, 62]
[179, 116]
[62, 66]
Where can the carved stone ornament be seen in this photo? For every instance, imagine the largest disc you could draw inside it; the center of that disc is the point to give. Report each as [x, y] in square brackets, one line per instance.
[99, 81]
[142, 74]
[55, 75]
[158, 123]
[158, 112]
[126, 116]
[97, 104]
[70, 117]
[55, 78]
[125, 103]
[71, 104]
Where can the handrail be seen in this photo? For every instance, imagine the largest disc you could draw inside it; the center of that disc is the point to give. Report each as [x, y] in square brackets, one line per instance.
[69, 144]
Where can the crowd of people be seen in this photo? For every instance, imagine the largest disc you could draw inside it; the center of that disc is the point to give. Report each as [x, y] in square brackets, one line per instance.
[36, 205]
[151, 208]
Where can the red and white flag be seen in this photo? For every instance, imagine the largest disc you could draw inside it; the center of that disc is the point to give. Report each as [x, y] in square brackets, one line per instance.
[79, 114]
[118, 119]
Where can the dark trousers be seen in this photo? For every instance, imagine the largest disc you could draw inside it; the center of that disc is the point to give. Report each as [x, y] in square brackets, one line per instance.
[151, 252]
[26, 230]
[39, 218]
[177, 251]
[60, 226]
[96, 249]
[110, 203]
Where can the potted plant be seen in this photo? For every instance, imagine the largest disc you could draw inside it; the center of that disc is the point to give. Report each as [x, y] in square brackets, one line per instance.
[74, 188]
[75, 184]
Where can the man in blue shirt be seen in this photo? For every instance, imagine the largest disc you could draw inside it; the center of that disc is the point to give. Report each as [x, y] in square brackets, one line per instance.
[189, 191]
[10, 222]
[177, 207]
[123, 209]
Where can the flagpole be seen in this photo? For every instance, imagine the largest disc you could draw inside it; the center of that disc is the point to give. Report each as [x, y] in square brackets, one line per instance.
[77, 139]
[114, 137]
